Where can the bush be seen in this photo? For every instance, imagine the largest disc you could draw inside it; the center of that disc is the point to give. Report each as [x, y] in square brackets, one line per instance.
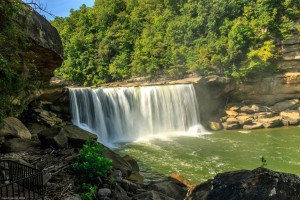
[90, 162]
[87, 191]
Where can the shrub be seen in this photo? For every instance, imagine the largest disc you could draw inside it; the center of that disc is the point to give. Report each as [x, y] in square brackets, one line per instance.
[87, 191]
[90, 162]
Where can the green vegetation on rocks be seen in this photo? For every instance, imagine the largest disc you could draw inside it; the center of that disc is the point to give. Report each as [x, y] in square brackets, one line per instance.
[115, 40]
[13, 64]
[90, 165]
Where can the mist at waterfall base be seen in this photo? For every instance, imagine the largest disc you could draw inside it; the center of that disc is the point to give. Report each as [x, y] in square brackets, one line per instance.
[127, 114]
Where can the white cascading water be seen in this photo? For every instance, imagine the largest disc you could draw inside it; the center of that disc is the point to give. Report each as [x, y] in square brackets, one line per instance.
[127, 113]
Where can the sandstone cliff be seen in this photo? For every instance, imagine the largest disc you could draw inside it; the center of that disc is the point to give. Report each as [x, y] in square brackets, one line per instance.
[45, 43]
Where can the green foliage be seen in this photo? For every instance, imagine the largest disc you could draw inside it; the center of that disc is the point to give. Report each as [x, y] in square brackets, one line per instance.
[87, 191]
[263, 161]
[115, 40]
[14, 62]
[90, 161]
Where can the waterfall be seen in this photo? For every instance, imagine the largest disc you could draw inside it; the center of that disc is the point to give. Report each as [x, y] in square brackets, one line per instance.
[127, 113]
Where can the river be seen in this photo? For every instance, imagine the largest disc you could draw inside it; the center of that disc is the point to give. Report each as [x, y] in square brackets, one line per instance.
[201, 158]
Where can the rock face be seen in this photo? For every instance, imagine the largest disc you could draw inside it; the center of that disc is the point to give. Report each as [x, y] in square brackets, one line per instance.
[269, 90]
[212, 92]
[258, 184]
[45, 43]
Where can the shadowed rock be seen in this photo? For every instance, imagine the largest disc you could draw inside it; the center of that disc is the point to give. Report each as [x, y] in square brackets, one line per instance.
[258, 184]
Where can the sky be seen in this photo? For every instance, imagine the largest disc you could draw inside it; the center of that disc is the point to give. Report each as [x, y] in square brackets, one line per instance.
[61, 8]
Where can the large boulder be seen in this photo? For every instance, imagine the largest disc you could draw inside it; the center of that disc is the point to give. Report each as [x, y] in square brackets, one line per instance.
[118, 162]
[53, 137]
[77, 136]
[12, 127]
[258, 184]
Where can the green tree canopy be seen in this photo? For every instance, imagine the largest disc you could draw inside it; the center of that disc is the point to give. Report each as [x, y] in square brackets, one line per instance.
[115, 40]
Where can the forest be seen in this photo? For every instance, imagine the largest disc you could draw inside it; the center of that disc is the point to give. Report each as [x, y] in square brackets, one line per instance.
[120, 39]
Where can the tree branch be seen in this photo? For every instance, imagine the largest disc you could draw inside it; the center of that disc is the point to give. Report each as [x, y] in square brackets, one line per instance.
[35, 4]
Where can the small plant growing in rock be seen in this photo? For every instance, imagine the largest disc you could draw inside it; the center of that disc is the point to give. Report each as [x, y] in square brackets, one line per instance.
[90, 161]
[263, 161]
[87, 191]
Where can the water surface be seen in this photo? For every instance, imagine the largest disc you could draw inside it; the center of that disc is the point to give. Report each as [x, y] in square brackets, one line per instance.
[200, 158]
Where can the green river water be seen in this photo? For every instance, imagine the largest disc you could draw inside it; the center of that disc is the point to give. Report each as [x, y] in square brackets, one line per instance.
[200, 158]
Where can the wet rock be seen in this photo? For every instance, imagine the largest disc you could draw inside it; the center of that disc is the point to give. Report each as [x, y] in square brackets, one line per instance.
[15, 145]
[169, 188]
[53, 137]
[77, 136]
[12, 127]
[152, 195]
[258, 184]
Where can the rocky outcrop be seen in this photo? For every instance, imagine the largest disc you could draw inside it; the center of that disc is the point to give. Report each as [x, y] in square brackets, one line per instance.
[255, 116]
[268, 90]
[45, 43]
[258, 184]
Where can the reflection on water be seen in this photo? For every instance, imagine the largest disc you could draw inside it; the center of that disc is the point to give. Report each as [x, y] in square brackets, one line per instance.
[200, 158]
